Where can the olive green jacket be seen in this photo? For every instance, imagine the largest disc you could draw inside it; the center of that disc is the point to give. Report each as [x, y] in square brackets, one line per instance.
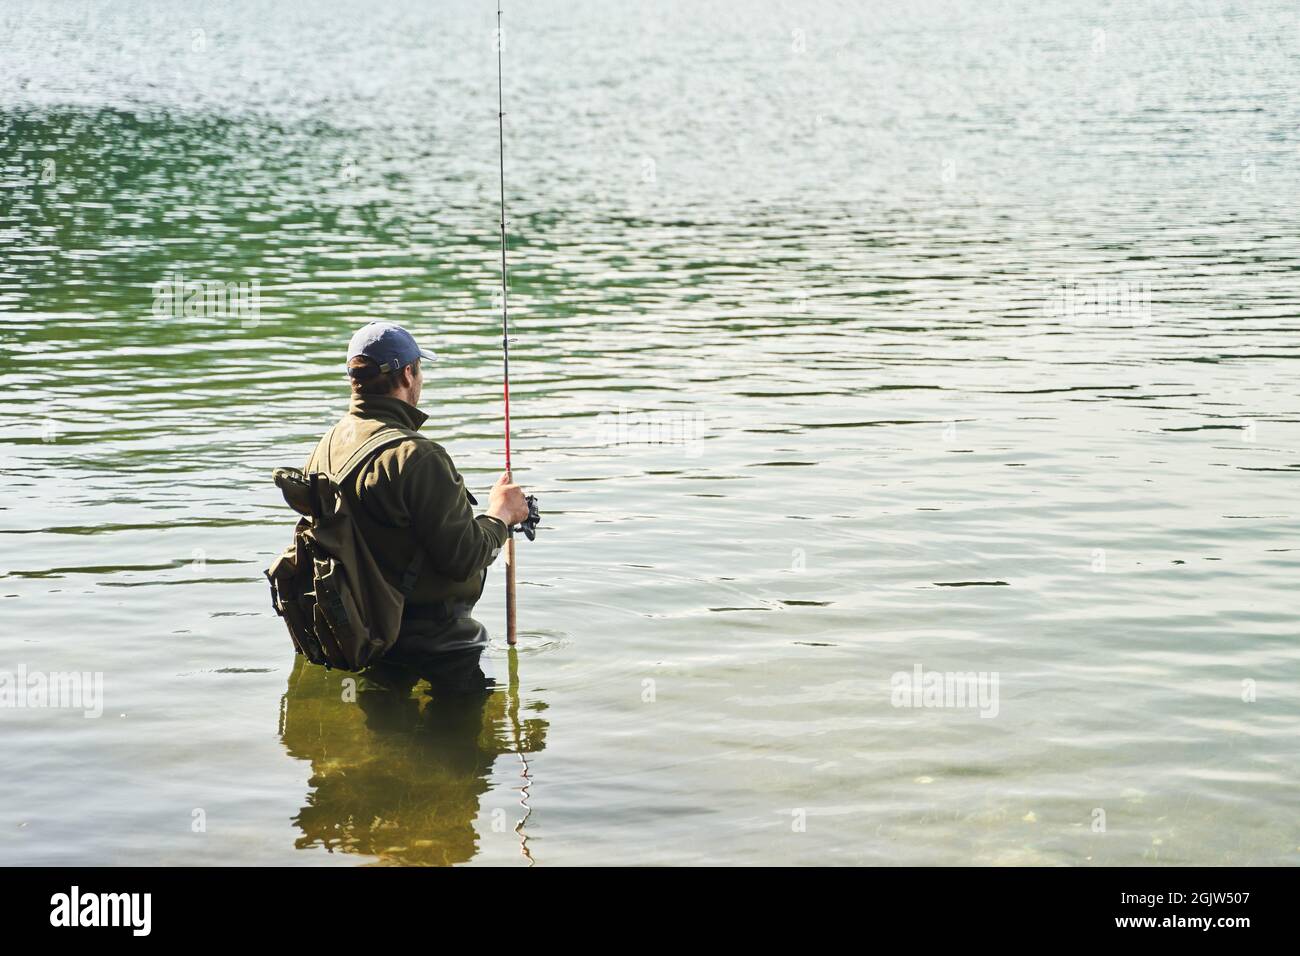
[411, 496]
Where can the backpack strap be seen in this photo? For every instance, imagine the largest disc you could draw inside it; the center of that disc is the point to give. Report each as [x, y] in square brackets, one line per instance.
[412, 572]
[322, 449]
[379, 440]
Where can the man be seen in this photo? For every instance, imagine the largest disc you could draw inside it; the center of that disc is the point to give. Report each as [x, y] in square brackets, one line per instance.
[412, 509]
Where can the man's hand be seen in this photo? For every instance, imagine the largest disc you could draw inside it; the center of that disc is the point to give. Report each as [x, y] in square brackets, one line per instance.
[507, 502]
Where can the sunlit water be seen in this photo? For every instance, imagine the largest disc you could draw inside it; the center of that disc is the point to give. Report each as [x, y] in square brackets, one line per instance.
[836, 258]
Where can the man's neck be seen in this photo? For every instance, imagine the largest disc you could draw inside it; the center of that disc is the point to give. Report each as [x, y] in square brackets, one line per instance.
[388, 408]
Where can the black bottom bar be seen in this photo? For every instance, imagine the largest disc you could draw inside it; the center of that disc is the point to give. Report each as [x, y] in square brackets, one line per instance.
[973, 905]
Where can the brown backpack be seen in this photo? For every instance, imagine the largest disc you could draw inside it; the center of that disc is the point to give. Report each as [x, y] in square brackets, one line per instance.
[339, 608]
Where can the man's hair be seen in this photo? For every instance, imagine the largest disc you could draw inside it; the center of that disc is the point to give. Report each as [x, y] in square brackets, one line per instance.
[368, 380]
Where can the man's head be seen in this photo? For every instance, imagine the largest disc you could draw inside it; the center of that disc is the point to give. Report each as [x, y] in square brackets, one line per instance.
[383, 359]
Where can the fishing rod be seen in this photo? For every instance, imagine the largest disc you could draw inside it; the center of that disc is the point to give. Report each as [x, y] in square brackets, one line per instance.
[529, 526]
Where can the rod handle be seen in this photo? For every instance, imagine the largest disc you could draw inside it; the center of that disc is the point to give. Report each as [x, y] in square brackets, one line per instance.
[511, 605]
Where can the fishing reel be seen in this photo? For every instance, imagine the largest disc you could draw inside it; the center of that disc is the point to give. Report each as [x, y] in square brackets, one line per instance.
[529, 524]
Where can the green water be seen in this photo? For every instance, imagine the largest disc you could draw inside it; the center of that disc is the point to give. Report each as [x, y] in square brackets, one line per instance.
[801, 376]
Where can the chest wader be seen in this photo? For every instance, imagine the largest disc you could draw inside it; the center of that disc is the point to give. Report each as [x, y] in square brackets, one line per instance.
[339, 608]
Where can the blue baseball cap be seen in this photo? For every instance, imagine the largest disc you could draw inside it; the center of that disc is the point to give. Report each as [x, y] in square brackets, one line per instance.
[389, 345]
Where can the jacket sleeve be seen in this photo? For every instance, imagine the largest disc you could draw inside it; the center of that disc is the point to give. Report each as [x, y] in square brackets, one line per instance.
[459, 545]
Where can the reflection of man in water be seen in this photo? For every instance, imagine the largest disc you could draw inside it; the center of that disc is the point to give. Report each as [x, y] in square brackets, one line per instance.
[394, 776]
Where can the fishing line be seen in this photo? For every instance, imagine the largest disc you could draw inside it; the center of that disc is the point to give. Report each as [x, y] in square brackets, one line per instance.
[530, 524]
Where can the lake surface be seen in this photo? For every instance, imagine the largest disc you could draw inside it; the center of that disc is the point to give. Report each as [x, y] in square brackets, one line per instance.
[851, 341]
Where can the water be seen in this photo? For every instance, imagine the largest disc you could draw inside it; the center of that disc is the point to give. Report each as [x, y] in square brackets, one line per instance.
[835, 257]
